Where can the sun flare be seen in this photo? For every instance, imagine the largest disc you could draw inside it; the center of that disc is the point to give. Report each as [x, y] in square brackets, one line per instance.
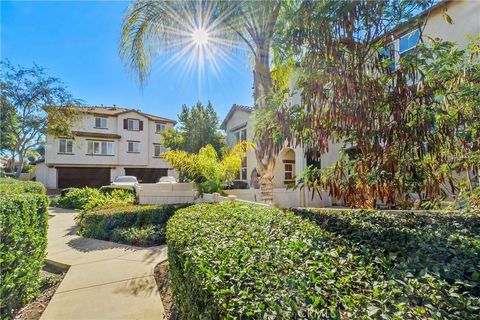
[200, 36]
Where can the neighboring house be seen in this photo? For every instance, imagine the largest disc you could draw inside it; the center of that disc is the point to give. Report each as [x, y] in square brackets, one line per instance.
[239, 126]
[239, 122]
[107, 142]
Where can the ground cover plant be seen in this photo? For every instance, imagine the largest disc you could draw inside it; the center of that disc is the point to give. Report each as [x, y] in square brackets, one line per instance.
[236, 260]
[90, 198]
[23, 225]
[129, 224]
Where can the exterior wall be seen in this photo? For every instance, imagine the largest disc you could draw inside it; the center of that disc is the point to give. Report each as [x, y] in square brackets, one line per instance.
[466, 21]
[47, 173]
[284, 198]
[239, 119]
[79, 155]
[166, 193]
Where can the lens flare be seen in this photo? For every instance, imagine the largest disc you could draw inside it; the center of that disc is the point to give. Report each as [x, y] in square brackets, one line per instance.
[202, 39]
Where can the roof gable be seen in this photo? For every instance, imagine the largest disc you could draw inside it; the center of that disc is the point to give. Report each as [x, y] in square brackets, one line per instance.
[233, 109]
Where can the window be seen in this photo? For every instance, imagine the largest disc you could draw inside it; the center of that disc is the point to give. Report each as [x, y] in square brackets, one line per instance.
[133, 147]
[100, 123]
[408, 42]
[158, 150]
[289, 171]
[160, 127]
[100, 147]
[388, 54]
[133, 125]
[65, 146]
[241, 135]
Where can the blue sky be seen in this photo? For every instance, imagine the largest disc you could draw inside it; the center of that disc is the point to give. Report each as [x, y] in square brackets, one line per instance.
[77, 41]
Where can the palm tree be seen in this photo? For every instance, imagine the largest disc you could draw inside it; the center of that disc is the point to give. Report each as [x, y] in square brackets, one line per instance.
[150, 28]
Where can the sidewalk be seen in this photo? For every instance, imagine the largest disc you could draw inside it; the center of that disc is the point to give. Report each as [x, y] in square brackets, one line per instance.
[105, 280]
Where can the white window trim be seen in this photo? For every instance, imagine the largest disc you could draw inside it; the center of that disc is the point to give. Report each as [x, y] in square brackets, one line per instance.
[100, 153]
[239, 132]
[133, 143]
[67, 143]
[102, 119]
[157, 124]
[132, 127]
[162, 150]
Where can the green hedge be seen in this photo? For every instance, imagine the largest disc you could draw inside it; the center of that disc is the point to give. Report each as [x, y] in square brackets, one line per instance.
[236, 260]
[130, 224]
[91, 198]
[23, 225]
[14, 186]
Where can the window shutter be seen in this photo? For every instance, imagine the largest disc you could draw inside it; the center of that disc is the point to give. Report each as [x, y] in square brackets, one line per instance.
[141, 126]
[125, 124]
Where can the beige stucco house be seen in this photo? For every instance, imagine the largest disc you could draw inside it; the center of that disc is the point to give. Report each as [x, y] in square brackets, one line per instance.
[239, 122]
[107, 142]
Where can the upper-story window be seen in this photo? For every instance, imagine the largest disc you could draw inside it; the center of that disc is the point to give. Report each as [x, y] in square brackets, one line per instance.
[100, 123]
[65, 146]
[100, 147]
[158, 150]
[240, 135]
[133, 124]
[159, 127]
[133, 147]
[408, 42]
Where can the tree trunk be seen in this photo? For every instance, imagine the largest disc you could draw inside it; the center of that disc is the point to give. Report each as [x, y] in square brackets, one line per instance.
[262, 83]
[20, 164]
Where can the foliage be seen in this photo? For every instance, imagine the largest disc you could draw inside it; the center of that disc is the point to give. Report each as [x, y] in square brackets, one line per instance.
[90, 198]
[405, 127]
[468, 200]
[427, 259]
[136, 225]
[107, 190]
[25, 92]
[206, 169]
[237, 260]
[200, 122]
[14, 186]
[23, 225]
[151, 28]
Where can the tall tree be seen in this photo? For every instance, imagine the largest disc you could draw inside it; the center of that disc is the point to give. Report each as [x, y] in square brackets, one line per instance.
[24, 95]
[399, 120]
[151, 25]
[198, 126]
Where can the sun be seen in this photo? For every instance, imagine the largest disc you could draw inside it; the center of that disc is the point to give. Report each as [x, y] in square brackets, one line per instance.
[200, 36]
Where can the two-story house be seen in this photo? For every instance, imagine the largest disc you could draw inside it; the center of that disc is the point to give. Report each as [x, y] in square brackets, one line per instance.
[239, 122]
[107, 142]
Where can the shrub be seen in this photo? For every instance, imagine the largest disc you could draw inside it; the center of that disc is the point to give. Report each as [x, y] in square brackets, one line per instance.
[238, 260]
[110, 189]
[130, 224]
[129, 189]
[23, 225]
[90, 198]
[429, 261]
[14, 186]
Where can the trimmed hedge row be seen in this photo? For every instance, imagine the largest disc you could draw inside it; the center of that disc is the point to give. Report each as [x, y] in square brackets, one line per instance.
[14, 186]
[23, 225]
[130, 224]
[237, 260]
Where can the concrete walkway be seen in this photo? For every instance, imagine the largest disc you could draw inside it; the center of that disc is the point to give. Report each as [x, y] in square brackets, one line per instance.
[105, 280]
